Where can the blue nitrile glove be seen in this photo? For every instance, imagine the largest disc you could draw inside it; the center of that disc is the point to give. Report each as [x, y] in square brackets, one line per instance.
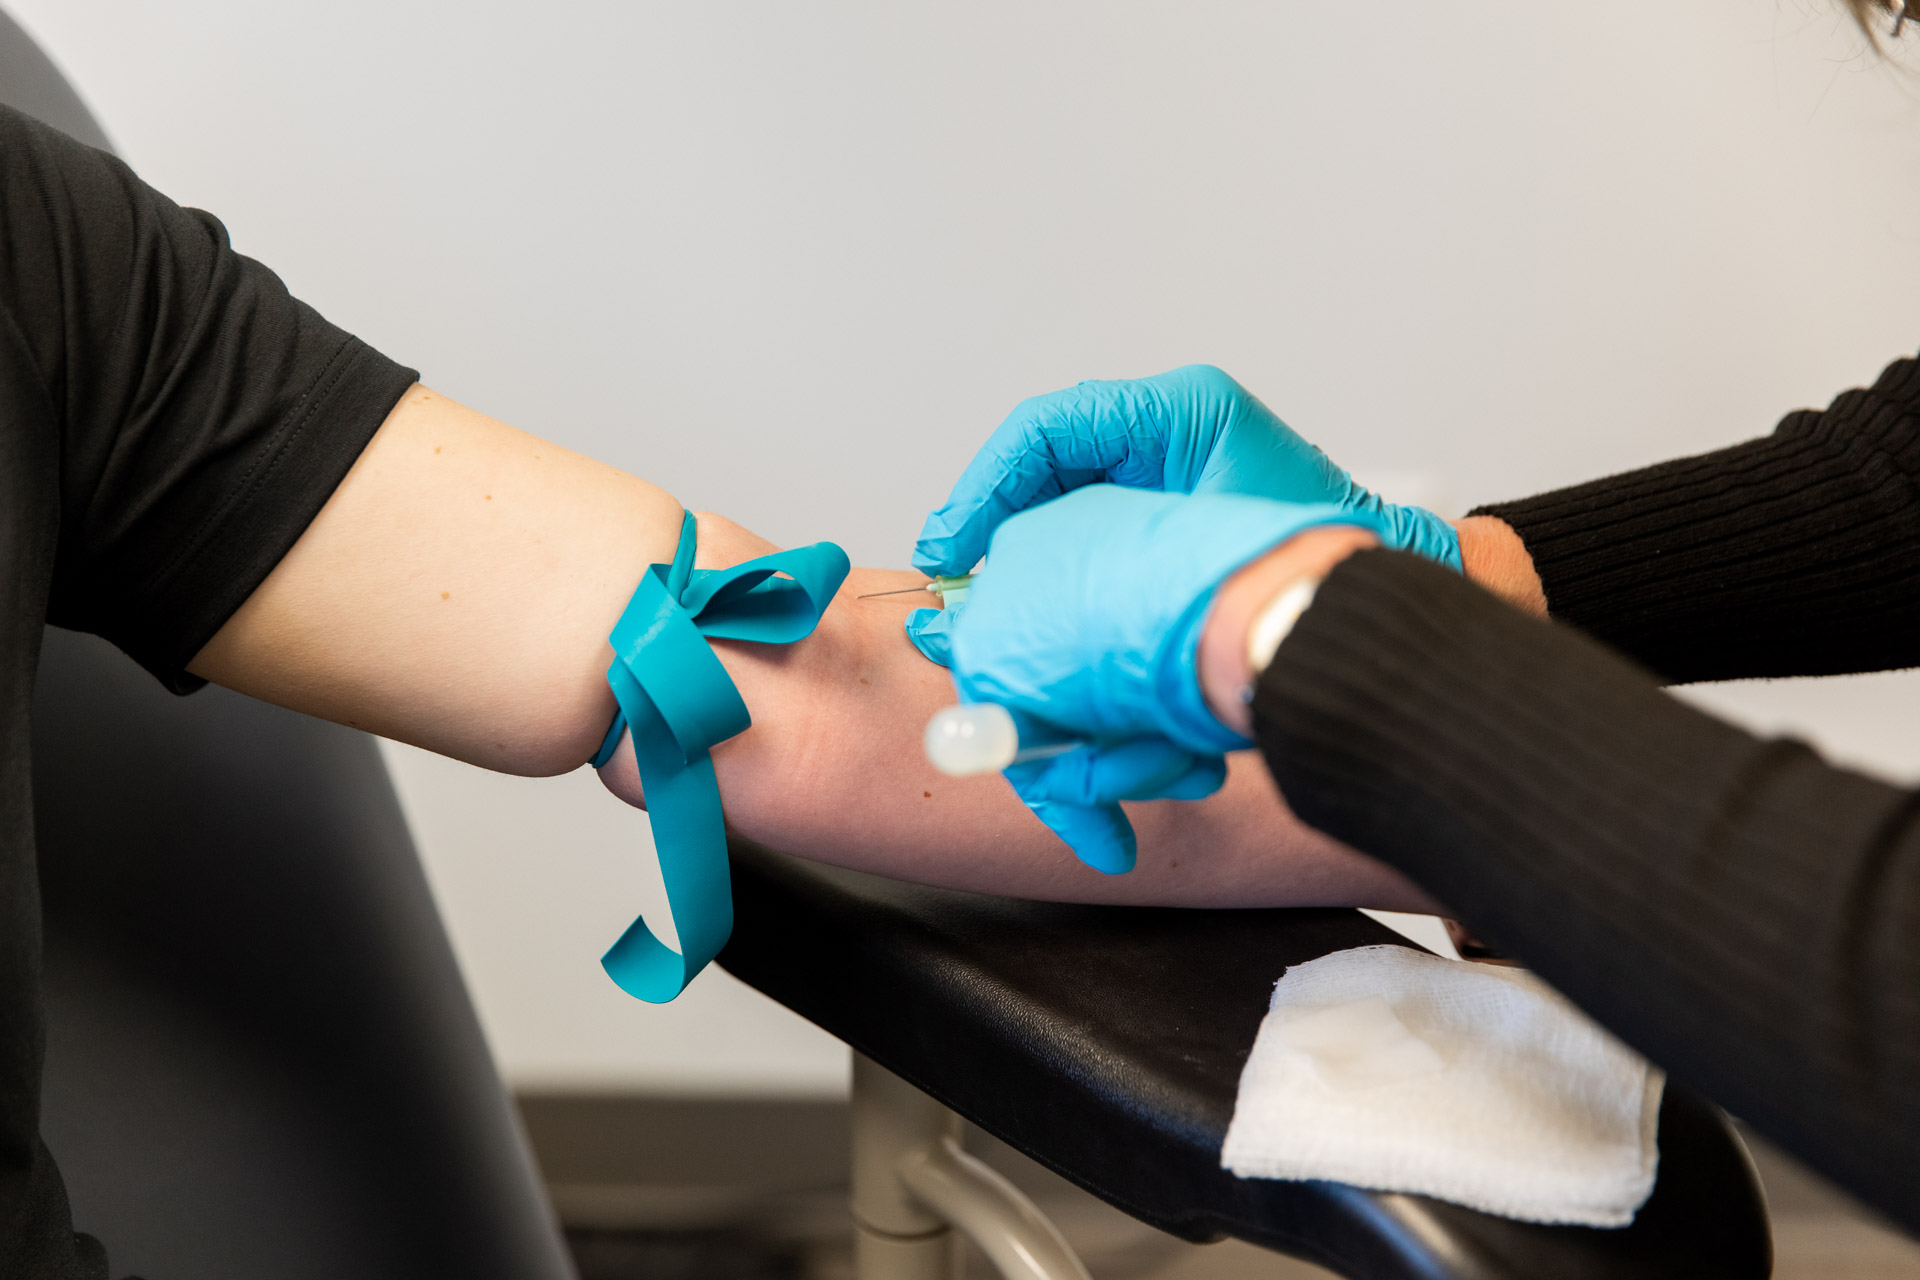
[1088, 625]
[1194, 430]
[931, 631]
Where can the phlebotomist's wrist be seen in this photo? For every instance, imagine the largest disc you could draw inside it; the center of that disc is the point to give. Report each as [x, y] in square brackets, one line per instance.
[1224, 662]
[1492, 555]
[1253, 609]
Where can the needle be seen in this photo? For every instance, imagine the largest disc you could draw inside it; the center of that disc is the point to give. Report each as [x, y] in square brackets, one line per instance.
[950, 590]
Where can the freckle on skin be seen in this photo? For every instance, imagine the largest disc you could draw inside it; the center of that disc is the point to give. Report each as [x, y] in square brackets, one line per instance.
[489, 497]
[926, 795]
[436, 448]
[446, 595]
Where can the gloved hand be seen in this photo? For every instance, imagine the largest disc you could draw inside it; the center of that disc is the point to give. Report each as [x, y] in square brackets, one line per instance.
[1194, 430]
[1088, 625]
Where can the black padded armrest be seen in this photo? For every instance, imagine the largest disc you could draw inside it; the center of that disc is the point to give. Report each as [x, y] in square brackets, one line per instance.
[1107, 1044]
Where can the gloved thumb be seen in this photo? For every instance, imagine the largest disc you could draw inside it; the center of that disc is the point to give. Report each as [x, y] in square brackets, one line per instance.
[931, 631]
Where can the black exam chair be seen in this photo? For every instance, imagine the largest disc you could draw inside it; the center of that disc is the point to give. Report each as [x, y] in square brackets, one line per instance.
[1107, 1043]
[262, 1063]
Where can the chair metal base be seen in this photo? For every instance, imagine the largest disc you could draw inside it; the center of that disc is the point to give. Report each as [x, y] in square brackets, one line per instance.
[913, 1187]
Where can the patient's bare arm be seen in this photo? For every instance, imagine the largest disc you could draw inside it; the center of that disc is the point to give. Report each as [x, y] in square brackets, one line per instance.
[457, 591]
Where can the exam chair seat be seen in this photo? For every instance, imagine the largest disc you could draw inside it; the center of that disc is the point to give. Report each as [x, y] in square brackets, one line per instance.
[262, 1062]
[1106, 1043]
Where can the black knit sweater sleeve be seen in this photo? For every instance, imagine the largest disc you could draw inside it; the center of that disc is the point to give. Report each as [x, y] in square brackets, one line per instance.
[1744, 913]
[1795, 554]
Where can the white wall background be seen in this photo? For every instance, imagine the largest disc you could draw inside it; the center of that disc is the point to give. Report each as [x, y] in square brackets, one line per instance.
[794, 260]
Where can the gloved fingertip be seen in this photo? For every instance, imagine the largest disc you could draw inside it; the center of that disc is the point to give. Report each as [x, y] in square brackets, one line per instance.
[928, 630]
[954, 535]
[1099, 835]
[930, 557]
[1114, 856]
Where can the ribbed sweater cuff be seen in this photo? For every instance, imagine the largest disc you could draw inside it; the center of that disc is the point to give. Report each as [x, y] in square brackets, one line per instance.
[1796, 554]
[1413, 715]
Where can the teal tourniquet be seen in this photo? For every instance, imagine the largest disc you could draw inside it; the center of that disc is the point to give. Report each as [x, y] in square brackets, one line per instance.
[678, 702]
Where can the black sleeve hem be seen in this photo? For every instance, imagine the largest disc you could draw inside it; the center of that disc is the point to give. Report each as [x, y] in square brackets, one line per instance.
[1796, 554]
[239, 545]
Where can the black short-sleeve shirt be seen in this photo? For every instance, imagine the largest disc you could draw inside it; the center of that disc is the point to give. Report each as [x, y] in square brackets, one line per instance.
[171, 420]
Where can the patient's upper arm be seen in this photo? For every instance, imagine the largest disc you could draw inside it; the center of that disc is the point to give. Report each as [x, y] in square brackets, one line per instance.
[455, 593]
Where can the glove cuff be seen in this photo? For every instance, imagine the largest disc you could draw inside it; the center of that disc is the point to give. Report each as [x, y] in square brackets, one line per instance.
[1185, 717]
[1420, 531]
[1180, 710]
